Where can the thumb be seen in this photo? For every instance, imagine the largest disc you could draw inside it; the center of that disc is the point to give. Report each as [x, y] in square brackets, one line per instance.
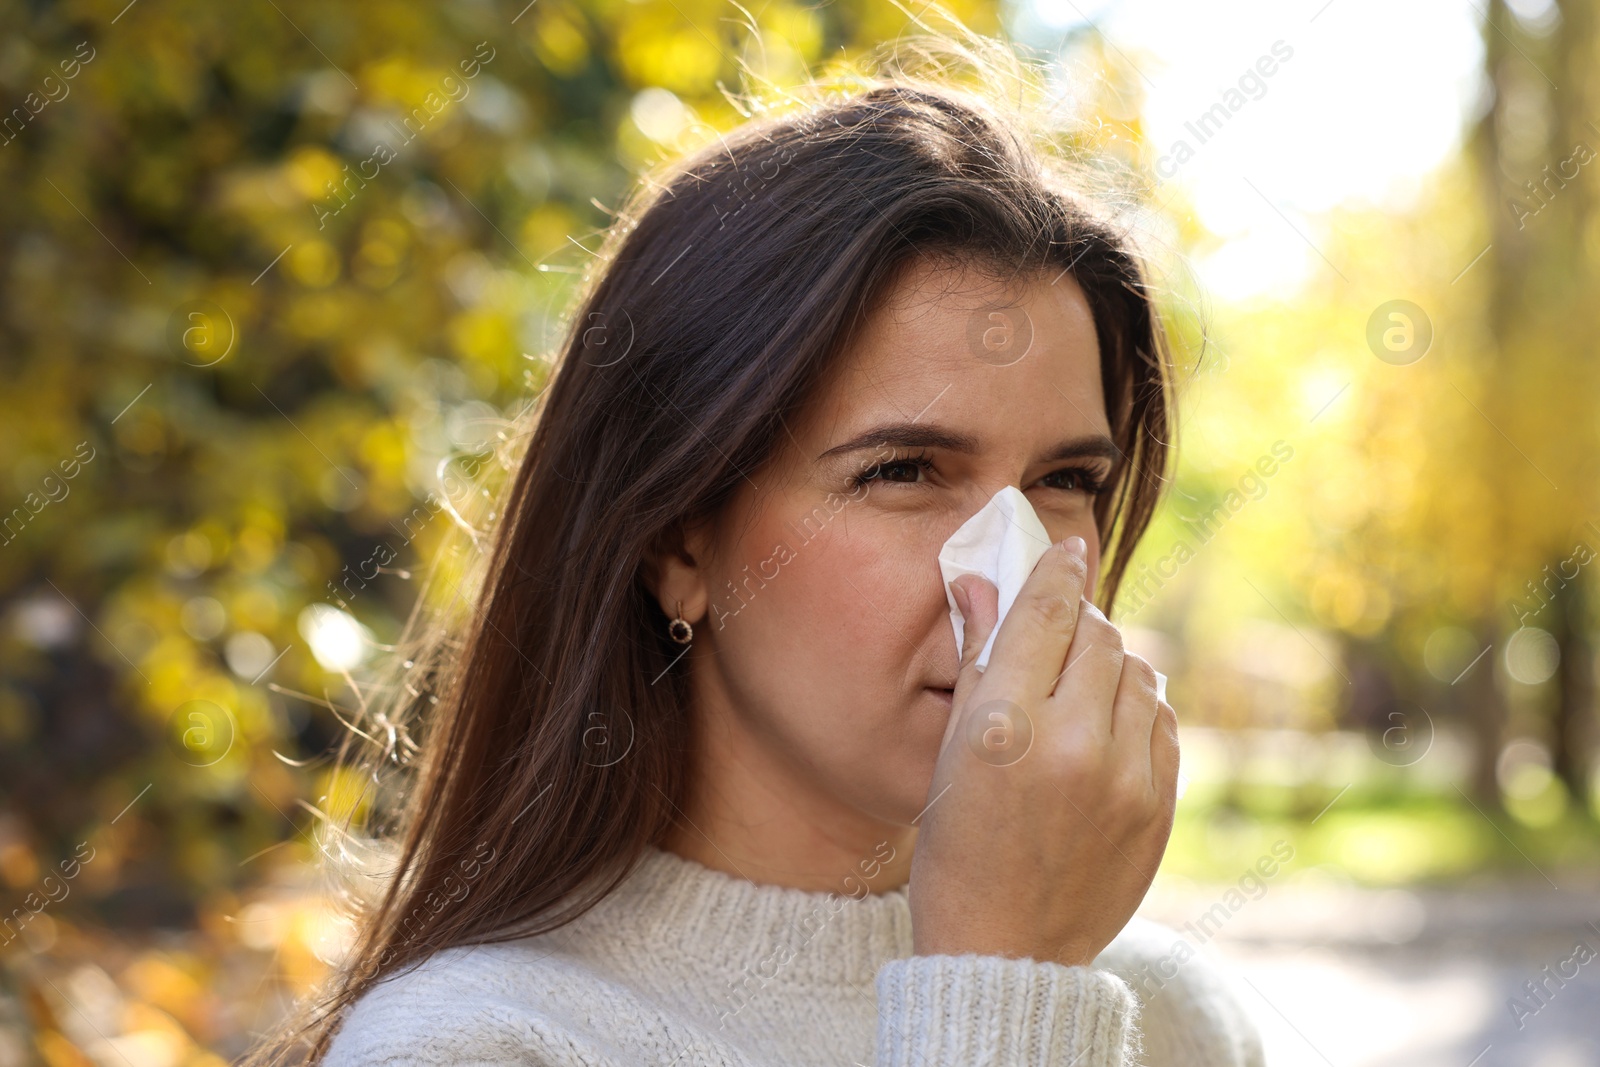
[979, 617]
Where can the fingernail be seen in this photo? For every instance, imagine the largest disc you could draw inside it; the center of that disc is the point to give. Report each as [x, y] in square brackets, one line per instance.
[962, 602]
[1077, 546]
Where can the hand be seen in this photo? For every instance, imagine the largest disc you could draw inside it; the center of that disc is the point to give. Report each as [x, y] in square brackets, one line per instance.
[1061, 767]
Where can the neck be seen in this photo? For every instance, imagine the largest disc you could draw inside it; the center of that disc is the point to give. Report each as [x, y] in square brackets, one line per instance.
[815, 862]
[756, 815]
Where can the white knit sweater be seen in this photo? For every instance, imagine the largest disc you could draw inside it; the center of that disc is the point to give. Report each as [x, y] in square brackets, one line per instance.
[685, 966]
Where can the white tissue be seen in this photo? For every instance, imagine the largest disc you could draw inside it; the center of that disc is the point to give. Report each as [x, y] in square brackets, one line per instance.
[1001, 542]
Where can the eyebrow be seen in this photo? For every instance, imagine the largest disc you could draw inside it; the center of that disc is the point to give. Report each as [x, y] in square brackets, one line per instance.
[921, 435]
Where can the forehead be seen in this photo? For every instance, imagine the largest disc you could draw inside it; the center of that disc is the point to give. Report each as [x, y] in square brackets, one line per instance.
[1012, 360]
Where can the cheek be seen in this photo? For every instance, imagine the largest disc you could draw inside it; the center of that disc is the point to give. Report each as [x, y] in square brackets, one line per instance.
[838, 611]
[830, 653]
[828, 658]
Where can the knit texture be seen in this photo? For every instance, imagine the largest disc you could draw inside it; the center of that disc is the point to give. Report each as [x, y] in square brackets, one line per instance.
[685, 966]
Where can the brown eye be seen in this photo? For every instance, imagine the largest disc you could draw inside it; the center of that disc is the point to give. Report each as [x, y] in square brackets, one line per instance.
[1075, 480]
[877, 472]
[904, 467]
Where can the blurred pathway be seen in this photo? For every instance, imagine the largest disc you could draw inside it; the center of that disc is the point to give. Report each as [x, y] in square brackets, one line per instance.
[1346, 977]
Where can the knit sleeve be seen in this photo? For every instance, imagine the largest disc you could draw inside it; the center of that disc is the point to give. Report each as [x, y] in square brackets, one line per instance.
[957, 1011]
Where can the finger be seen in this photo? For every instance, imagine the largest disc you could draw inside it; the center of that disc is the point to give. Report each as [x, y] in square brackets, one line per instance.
[1085, 690]
[1164, 753]
[1133, 714]
[1033, 640]
[978, 621]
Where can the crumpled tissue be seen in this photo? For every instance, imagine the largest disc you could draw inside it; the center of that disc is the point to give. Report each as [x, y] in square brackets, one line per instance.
[1000, 543]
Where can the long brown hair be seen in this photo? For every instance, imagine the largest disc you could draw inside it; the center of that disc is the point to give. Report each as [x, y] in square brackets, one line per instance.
[557, 726]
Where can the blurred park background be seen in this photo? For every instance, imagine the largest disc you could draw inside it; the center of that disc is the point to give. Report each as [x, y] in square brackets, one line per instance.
[269, 268]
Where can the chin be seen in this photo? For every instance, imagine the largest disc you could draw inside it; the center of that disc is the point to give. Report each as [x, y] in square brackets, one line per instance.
[912, 772]
[891, 781]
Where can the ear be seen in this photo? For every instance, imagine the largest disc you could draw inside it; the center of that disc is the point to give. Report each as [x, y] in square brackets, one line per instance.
[676, 572]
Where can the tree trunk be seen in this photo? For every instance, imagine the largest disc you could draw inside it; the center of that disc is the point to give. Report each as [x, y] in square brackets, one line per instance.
[1572, 727]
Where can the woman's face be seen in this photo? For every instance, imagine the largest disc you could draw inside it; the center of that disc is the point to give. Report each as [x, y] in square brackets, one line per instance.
[823, 651]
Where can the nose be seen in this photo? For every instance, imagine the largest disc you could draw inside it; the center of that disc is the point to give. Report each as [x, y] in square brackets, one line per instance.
[1000, 543]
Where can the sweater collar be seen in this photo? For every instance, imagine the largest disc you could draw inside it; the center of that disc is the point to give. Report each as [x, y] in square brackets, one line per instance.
[671, 904]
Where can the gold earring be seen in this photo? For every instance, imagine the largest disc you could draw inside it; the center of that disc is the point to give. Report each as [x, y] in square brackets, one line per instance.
[679, 628]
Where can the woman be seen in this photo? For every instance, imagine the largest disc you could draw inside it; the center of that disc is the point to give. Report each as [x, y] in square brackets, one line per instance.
[708, 780]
